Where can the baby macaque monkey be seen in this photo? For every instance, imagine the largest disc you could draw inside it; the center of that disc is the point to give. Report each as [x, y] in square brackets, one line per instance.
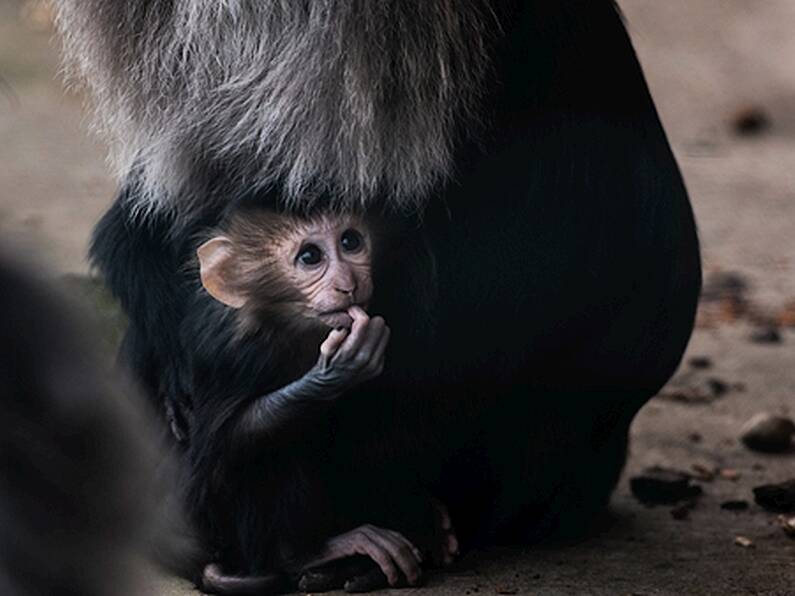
[295, 291]
[303, 276]
[290, 268]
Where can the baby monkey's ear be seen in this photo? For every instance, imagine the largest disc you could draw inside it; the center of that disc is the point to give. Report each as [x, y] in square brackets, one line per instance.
[216, 267]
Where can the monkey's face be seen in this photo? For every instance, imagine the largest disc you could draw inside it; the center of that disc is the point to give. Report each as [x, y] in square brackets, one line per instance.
[272, 264]
[329, 262]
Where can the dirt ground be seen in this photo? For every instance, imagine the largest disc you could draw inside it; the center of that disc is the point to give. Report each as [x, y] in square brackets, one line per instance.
[716, 68]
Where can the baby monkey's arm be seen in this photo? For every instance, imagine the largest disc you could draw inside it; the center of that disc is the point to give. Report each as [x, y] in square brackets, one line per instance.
[347, 358]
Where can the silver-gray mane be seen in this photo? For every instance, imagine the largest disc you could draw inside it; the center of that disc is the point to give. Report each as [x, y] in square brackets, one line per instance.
[349, 98]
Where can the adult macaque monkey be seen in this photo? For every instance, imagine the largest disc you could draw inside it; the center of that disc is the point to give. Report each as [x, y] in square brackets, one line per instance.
[549, 291]
[278, 337]
[76, 459]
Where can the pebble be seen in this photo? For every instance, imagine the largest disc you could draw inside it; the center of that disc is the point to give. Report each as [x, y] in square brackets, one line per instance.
[751, 121]
[776, 497]
[659, 486]
[738, 505]
[700, 362]
[768, 433]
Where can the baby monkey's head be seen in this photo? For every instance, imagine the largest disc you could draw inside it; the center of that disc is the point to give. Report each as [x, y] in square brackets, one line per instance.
[270, 265]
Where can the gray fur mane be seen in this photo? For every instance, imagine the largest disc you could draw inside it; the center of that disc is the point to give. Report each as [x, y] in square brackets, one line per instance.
[351, 99]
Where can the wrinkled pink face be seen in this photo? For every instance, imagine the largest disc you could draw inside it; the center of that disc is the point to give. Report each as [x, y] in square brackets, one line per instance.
[329, 261]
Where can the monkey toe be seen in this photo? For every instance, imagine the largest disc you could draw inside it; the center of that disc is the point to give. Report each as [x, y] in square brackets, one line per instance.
[320, 580]
[372, 580]
[353, 574]
[442, 543]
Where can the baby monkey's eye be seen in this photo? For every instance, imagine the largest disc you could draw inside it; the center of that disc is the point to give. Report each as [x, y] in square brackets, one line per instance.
[351, 241]
[310, 254]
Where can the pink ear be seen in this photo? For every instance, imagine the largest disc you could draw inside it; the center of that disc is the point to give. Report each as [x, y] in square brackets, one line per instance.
[214, 258]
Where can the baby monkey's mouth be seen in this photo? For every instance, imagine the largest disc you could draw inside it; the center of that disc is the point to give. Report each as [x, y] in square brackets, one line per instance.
[336, 318]
[339, 317]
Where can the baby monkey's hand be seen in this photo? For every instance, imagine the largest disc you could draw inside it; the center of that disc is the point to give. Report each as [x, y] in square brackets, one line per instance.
[347, 357]
[352, 356]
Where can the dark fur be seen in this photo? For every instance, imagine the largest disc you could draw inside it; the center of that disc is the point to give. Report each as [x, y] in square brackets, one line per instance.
[77, 491]
[235, 498]
[266, 510]
[565, 272]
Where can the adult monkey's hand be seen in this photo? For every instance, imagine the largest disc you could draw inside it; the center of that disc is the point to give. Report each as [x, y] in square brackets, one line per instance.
[363, 559]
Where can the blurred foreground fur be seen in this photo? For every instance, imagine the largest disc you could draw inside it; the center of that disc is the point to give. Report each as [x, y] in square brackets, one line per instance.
[80, 506]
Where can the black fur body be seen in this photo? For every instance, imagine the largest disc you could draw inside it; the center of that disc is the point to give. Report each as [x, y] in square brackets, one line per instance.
[77, 513]
[548, 293]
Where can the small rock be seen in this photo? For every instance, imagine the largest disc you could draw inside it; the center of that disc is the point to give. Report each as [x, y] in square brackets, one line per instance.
[502, 590]
[768, 433]
[661, 486]
[751, 122]
[788, 525]
[695, 437]
[700, 362]
[743, 541]
[766, 335]
[776, 497]
[717, 386]
[738, 505]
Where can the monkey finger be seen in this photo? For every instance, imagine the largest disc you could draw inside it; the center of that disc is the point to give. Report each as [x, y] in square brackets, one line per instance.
[358, 332]
[334, 340]
[445, 542]
[373, 580]
[324, 578]
[452, 544]
[398, 537]
[365, 546]
[375, 364]
[380, 350]
[400, 550]
[357, 312]
[372, 338]
[443, 514]
[332, 343]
